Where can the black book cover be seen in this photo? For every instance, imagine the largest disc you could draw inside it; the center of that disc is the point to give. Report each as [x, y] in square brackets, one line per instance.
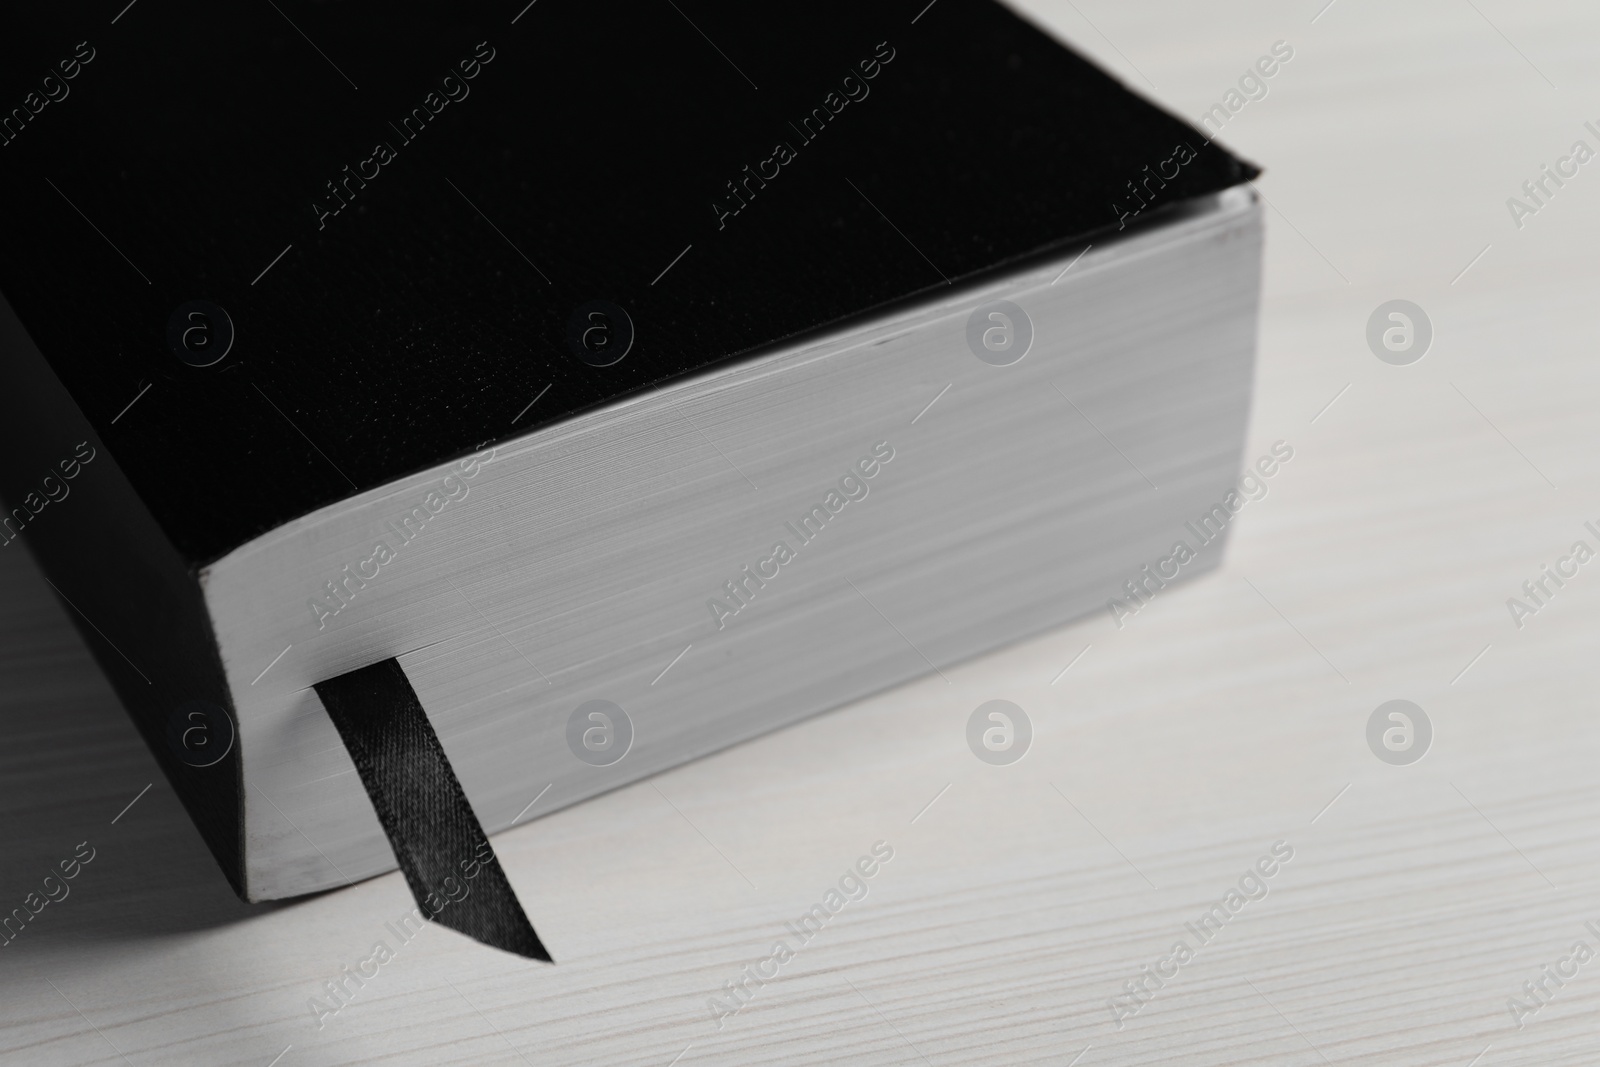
[411, 213]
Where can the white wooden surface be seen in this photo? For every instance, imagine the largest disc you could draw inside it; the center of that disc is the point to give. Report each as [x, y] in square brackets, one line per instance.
[1170, 756]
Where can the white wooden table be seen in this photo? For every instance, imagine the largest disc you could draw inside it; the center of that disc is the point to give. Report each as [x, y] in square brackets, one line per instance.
[1172, 755]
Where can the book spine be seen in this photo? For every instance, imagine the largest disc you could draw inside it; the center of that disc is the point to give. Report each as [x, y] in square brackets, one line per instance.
[135, 601]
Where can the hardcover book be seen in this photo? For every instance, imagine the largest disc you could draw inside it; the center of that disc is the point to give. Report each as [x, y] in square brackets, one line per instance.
[434, 416]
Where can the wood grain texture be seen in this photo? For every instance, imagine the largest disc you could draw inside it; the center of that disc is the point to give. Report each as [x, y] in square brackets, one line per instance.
[1225, 717]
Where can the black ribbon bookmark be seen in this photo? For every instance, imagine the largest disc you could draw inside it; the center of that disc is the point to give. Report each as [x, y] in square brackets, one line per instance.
[442, 849]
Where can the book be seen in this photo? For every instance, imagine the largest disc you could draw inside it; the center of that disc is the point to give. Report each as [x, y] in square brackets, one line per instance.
[602, 385]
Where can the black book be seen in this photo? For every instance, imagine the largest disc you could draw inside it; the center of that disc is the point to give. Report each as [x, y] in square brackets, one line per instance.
[505, 345]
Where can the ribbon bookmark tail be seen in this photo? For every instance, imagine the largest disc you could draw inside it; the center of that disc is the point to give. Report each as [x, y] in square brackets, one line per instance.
[440, 845]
